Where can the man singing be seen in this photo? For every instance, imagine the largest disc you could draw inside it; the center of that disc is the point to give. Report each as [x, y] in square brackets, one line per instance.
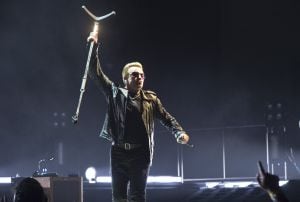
[129, 125]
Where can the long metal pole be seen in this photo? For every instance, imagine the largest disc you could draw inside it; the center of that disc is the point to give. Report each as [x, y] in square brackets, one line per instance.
[87, 66]
[84, 78]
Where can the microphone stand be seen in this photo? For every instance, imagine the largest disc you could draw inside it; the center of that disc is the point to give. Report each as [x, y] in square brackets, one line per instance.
[42, 169]
[92, 43]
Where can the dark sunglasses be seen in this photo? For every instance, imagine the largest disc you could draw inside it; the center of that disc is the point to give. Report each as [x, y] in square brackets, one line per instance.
[137, 74]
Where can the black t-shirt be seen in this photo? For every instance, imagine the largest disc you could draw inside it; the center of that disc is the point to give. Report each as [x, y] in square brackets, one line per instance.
[135, 131]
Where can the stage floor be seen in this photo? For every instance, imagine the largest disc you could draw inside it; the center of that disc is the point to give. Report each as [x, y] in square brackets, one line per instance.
[180, 192]
[196, 192]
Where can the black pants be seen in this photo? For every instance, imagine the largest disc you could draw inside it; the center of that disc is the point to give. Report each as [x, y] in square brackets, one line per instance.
[129, 167]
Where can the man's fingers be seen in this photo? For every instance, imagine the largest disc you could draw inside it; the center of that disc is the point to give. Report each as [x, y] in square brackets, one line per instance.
[261, 169]
[179, 140]
[93, 37]
[258, 179]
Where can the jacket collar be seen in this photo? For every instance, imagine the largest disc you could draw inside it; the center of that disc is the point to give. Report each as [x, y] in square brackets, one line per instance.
[124, 91]
[144, 96]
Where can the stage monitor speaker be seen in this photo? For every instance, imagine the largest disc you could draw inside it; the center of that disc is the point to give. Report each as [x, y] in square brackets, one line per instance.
[62, 189]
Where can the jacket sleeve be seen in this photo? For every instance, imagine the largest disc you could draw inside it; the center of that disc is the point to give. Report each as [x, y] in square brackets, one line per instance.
[97, 75]
[167, 119]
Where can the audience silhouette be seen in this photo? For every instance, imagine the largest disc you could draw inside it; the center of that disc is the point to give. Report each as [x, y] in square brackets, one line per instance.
[29, 190]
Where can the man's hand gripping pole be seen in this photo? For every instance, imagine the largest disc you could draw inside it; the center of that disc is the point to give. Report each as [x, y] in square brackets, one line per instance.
[92, 43]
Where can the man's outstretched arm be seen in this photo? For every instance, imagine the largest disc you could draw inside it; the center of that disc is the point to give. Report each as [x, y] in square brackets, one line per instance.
[96, 73]
[171, 123]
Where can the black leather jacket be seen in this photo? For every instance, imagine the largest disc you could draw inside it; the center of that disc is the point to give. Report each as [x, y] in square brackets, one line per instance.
[116, 97]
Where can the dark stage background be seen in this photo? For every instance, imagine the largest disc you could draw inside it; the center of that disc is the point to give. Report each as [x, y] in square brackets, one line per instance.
[214, 64]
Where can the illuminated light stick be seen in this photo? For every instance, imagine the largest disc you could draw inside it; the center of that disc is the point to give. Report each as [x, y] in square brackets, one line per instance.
[92, 43]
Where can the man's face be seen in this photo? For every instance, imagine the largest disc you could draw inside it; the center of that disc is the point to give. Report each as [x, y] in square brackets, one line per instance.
[135, 80]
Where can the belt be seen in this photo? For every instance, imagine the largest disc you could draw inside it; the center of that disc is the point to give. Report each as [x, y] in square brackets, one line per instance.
[127, 146]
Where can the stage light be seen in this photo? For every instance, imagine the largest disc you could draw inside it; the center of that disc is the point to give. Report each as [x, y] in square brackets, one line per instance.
[269, 106]
[283, 182]
[241, 184]
[269, 117]
[90, 174]
[59, 119]
[276, 123]
[103, 179]
[232, 184]
[151, 179]
[274, 114]
[211, 185]
[5, 180]
[278, 116]
[279, 105]
[237, 184]
[163, 179]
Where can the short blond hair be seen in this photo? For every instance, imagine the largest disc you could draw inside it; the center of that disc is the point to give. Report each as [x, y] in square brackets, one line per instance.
[127, 66]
